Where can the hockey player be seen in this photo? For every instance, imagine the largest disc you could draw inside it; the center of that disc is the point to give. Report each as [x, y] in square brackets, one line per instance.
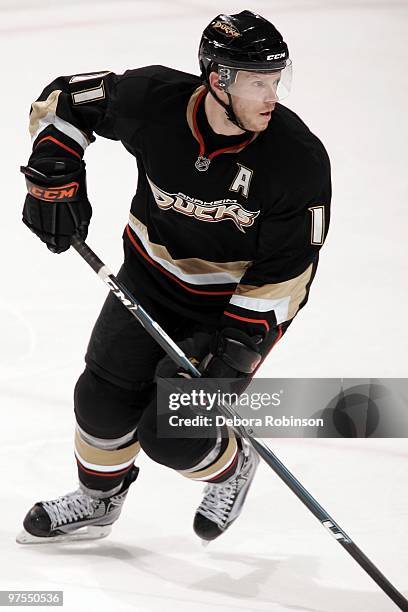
[231, 209]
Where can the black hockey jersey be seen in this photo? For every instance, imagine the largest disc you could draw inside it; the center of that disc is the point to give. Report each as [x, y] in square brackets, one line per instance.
[222, 229]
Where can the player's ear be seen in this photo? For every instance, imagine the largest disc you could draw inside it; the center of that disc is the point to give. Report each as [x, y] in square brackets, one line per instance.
[214, 82]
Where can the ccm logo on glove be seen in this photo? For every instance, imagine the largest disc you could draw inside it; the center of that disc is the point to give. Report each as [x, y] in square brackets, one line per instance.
[63, 193]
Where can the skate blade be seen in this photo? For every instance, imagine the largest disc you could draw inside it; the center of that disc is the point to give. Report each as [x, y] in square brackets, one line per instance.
[90, 532]
[205, 543]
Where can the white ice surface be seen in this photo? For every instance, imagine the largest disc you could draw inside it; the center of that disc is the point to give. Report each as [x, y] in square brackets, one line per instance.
[351, 88]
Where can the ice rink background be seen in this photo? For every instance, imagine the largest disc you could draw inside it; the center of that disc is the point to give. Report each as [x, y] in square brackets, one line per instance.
[351, 88]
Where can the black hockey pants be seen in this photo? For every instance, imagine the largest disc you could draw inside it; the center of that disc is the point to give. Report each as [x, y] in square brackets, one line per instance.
[115, 403]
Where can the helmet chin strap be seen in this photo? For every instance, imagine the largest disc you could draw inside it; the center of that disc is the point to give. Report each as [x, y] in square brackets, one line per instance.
[229, 110]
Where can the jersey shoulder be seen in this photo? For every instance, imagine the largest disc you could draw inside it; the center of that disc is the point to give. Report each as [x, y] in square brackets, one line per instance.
[151, 93]
[295, 136]
[156, 77]
[297, 164]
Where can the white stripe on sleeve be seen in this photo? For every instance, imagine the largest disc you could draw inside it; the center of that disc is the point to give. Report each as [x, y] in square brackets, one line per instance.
[280, 305]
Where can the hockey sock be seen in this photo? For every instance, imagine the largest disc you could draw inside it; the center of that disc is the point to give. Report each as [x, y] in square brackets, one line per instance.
[103, 464]
[219, 464]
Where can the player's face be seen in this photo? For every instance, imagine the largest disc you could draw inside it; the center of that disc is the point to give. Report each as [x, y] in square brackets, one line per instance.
[254, 98]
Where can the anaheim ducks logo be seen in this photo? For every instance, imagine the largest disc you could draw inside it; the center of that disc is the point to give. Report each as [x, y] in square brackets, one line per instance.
[226, 28]
[210, 212]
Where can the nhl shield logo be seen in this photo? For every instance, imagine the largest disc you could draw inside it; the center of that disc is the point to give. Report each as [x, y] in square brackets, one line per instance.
[203, 163]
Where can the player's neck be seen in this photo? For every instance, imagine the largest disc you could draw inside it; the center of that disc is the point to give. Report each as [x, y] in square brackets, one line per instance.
[217, 118]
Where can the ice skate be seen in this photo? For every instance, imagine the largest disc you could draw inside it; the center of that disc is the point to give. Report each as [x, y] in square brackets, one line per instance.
[74, 516]
[223, 502]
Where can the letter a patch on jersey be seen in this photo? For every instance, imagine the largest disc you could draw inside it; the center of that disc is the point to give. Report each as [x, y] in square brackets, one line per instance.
[242, 180]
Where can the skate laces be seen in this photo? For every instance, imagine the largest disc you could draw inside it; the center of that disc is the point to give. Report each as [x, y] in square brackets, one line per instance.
[69, 508]
[218, 500]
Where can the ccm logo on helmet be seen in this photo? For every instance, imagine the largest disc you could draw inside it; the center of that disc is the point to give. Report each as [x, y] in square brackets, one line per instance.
[227, 29]
[275, 56]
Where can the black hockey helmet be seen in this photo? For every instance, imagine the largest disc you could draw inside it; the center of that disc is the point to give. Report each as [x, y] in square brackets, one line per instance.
[244, 41]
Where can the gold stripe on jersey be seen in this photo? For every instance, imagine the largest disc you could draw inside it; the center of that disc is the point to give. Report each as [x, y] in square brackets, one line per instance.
[99, 457]
[284, 298]
[192, 269]
[219, 466]
[44, 113]
[190, 109]
[41, 110]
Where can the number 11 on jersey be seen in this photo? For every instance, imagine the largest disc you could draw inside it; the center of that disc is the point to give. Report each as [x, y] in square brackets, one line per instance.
[317, 234]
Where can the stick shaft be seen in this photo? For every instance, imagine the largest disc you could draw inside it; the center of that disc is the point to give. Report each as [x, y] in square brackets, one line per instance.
[134, 307]
[329, 523]
[171, 348]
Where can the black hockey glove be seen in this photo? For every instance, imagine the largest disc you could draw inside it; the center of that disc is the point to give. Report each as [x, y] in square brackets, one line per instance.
[232, 354]
[229, 353]
[56, 206]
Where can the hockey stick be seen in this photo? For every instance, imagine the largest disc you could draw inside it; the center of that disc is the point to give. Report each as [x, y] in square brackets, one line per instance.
[171, 348]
